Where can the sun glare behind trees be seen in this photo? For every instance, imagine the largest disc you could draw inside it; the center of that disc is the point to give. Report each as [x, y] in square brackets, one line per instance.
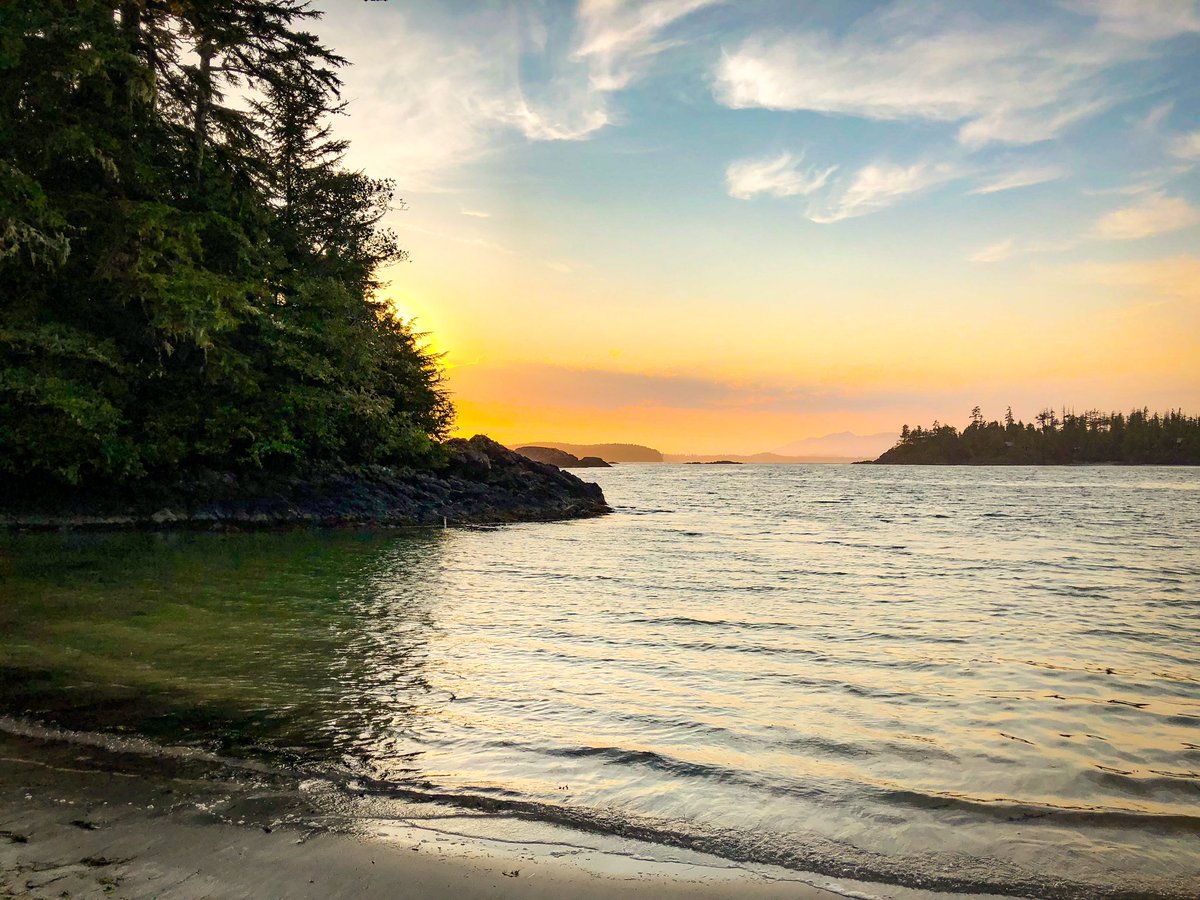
[189, 281]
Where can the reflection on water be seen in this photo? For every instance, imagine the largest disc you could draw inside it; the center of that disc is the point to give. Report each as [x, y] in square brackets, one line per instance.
[947, 677]
[250, 640]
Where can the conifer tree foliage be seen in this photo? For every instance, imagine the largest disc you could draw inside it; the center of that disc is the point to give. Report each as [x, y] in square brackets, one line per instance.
[188, 270]
[1137, 438]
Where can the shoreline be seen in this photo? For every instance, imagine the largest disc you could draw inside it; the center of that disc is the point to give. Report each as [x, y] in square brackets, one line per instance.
[482, 483]
[74, 824]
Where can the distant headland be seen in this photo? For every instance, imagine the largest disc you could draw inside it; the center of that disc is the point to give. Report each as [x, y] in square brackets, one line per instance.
[613, 453]
[845, 448]
[1066, 438]
[193, 329]
[561, 458]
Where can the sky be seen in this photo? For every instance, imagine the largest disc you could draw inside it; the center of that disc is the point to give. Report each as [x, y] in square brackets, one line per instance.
[725, 226]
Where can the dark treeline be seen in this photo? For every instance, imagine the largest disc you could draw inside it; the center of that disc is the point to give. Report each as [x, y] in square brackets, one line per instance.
[1056, 439]
[187, 268]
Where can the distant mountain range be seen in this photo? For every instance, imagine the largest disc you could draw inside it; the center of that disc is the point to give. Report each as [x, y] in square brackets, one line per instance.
[761, 458]
[845, 446]
[843, 443]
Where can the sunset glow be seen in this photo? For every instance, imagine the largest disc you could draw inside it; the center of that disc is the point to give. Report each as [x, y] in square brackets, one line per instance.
[683, 224]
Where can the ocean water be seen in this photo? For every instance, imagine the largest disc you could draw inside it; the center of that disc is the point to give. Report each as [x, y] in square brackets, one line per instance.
[972, 679]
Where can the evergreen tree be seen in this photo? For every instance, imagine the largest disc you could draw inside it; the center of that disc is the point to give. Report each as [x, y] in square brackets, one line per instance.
[181, 287]
[1093, 437]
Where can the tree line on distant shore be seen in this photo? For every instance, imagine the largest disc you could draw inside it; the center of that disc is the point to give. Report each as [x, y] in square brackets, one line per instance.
[1137, 438]
[188, 269]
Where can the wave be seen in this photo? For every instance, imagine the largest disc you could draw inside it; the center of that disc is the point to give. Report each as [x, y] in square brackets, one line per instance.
[802, 853]
[1006, 809]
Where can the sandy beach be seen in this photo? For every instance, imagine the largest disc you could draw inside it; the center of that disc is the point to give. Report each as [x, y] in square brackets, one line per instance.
[80, 821]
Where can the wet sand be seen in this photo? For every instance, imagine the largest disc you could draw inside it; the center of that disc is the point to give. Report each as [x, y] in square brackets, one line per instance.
[75, 822]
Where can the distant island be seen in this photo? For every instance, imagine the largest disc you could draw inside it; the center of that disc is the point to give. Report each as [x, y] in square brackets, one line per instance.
[613, 453]
[851, 445]
[561, 458]
[766, 459]
[1137, 438]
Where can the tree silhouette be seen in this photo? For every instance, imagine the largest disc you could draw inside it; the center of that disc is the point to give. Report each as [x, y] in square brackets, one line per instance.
[189, 271]
[1171, 438]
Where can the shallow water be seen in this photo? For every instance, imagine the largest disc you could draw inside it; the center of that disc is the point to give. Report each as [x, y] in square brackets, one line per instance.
[983, 679]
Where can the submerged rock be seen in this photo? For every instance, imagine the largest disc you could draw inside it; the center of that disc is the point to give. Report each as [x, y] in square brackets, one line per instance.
[482, 482]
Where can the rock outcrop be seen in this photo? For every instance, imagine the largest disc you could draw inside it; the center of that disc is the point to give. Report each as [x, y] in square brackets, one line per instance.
[481, 483]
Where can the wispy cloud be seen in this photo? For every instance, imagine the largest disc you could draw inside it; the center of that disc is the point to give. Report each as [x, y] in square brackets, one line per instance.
[448, 92]
[1005, 83]
[1174, 278]
[779, 176]
[469, 240]
[878, 186]
[1010, 247]
[869, 189]
[620, 37]
[995, 253]
[1156, 214]
[1145, 20]
[475, 213]
[551, 385]
[1186, 146]
[1148, 183]
[1019, 178]
[614, 44]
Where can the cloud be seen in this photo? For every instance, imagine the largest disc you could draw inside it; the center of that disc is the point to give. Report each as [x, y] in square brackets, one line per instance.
[1186, 146]
[1019, 178]
[995, 253]
[1002, 83]
[554, 385]
[432, 91]
[873, 187]
[618, 38]
[1174, 278]
[1009, 248]
[613, 45]
[779, 176]
[878, 186]
[475, 213]
[548, 385]
[469, 240]
[1156, 214]
[1150, 182]
[1152, 121]
[1143, 20]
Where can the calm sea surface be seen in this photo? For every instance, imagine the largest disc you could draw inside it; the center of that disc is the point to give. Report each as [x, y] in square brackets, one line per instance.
[970, 678]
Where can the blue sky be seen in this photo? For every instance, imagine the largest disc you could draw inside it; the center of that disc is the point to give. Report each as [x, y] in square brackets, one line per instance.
[860, 202]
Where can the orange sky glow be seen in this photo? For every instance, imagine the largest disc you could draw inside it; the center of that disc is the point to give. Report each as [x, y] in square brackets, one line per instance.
[627, 224]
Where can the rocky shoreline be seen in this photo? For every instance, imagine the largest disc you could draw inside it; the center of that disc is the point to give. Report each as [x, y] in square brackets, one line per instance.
[483, 483]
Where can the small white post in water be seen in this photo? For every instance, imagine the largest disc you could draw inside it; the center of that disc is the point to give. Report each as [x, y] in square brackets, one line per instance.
[444, 525]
